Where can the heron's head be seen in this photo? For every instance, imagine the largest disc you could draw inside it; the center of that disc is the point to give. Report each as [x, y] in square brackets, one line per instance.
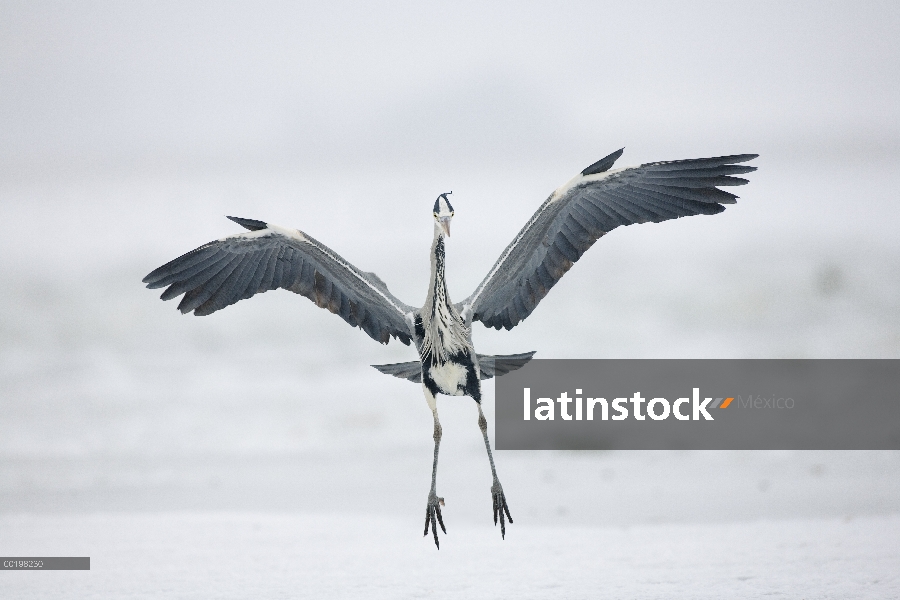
[443, 212]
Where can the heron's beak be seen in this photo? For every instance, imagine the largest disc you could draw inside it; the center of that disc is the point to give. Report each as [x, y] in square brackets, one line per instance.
[445, 225]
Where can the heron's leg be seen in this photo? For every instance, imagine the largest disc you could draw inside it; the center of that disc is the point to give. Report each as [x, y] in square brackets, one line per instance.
[499, 499]
[433, 510]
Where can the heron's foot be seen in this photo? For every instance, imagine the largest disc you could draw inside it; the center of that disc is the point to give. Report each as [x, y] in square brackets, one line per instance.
[433, 516]
[500, 507]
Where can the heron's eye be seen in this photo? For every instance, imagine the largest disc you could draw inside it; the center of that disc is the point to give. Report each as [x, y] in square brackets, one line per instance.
[452, 213]
[435, 215]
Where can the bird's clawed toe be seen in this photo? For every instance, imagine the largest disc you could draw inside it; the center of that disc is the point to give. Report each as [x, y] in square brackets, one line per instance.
[433, 517]
[500, 507]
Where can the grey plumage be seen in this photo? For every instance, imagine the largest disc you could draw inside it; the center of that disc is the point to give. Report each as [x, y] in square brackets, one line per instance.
[604, 164]
[250, 224]
[237, 267]
[571, 220]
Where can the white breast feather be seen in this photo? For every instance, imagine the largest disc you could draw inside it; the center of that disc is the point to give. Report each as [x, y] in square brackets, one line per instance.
[450, 377]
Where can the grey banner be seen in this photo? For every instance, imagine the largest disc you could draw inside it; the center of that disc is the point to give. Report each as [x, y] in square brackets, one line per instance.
[45, 563]
[700, 404]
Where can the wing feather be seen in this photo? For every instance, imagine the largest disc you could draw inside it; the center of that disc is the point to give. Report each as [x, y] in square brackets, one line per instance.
[226, 278]
[179, 283]
[194, 262]
[589, 206]
[702, 172]
[219, 289]
[269, 257]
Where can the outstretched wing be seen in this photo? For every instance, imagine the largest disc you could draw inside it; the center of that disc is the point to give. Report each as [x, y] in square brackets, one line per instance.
[593, 203]
[268, 257]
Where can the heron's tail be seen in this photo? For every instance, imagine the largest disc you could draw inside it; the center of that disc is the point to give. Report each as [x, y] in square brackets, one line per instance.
[491, 366]
[407, 370]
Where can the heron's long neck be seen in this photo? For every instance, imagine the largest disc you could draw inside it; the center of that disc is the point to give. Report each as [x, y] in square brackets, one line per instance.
[445, 333]
[437, 292]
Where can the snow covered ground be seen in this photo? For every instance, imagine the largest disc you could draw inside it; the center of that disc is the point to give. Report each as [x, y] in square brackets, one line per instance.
[247, 555]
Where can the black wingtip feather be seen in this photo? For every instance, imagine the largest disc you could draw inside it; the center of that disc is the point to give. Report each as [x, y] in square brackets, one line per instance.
[251, 224]
[604, 164]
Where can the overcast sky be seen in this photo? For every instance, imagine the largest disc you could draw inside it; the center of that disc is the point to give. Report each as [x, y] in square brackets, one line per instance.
[111, 86]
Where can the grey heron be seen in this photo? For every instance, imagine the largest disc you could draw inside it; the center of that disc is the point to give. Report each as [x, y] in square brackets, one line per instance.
[590, 205]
